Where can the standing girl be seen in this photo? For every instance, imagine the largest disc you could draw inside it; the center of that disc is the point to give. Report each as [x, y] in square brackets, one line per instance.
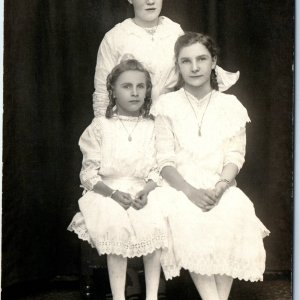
[150, 39]
[201, 143]
[118, 172]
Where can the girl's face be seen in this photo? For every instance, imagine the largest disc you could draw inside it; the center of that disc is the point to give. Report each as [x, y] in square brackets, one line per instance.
[146, 12]
[130, 92]
[195, 64]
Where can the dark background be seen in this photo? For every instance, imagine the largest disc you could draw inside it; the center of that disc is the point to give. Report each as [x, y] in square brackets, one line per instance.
[50, 50]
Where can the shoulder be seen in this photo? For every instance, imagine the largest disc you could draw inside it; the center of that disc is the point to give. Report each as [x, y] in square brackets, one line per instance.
[118, 30]
[229, 103]
[229, 112]
[171, 25]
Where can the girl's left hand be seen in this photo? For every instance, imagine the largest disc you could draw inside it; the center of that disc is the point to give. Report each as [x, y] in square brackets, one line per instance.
[140, 200]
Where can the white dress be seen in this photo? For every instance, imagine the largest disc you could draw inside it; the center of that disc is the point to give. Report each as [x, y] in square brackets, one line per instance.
[156, 52]
[125, 165]
[228, 239]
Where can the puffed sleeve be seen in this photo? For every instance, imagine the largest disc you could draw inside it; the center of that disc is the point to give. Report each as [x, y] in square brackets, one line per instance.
[235, 149]
[106, 60]
[154, 172]
[89, 144]
[165, 143]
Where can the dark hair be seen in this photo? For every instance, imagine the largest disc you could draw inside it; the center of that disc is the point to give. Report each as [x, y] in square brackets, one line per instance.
[128, 65]
[190, 38]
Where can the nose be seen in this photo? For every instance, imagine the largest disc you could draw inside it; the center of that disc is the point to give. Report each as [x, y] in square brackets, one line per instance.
[134, 91]
[195, 66]
[150, 2]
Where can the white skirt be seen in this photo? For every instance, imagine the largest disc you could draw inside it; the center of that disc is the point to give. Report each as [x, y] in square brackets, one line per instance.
[225, 240]
[110, 228]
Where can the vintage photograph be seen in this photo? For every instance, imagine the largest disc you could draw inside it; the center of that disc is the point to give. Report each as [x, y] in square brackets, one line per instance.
[148, 150]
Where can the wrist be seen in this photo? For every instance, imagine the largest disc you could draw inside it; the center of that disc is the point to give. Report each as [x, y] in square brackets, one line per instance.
[224, 184]
[112, 193]
[187, 190]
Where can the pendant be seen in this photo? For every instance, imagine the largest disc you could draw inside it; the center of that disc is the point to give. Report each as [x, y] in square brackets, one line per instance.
[199, 131]
[129, 138]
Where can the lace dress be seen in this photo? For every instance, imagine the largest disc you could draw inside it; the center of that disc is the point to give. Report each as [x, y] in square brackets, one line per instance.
[228, 239]
[125, 165]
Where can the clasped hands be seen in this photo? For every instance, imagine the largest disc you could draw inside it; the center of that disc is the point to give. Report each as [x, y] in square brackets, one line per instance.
[207, 199]
[126, 201]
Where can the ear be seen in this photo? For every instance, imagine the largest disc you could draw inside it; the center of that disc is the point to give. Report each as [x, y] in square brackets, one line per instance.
[214, 62]
[130, 1]
[113, 93]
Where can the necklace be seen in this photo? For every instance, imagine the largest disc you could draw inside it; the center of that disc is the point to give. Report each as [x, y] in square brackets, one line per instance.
[149, 30]
[199, 123]
[129, 133]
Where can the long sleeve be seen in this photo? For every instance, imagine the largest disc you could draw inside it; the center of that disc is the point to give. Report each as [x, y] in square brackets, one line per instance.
[235, 149]
[90, 148]
[106, 60]
[165, 144]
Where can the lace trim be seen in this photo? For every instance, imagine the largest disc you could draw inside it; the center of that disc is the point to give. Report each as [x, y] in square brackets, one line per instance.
[131, 249]
[240, 269]
[105, 244]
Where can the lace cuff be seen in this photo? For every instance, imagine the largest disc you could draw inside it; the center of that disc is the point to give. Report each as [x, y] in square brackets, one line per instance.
[154, 176]
[87, 181]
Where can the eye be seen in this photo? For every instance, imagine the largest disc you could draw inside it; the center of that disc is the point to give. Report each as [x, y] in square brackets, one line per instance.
[126, 86]
[184, 61]
[141, 86]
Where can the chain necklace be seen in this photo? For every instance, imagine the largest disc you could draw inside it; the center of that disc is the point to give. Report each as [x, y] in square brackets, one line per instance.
[196, 117]
[149, 30]
[129, 133]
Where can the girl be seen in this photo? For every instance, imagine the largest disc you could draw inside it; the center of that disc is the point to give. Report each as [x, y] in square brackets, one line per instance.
[150, 39]
[118, 172]
[201, 147]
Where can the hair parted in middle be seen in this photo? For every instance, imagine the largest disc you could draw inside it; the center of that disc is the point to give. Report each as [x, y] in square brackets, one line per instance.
[123, 66]
[190, 38]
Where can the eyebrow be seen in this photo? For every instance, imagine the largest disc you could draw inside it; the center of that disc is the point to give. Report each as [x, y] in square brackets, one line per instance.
[205, 55]
[130, 83]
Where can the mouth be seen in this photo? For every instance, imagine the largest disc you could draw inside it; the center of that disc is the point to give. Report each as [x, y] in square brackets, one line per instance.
[134, 101]
[151, 9]
[196, 76]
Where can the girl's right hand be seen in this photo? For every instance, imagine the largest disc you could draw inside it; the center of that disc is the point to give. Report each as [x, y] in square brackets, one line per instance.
[204, 199]
[124, 199]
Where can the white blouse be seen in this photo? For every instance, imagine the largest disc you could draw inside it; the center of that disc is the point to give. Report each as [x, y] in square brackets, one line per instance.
[107, 152]
[222, 140]
[128, 40]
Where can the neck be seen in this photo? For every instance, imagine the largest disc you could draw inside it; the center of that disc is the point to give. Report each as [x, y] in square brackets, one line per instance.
[145, 24]
[128, 114]
[198, 92]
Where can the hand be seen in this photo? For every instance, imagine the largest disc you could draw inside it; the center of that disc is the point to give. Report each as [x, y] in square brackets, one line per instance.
[203, 198]
[140, 200]
[124, 199]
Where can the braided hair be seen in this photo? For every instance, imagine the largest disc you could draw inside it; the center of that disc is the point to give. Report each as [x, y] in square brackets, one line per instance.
[190, 38]
[123, 66]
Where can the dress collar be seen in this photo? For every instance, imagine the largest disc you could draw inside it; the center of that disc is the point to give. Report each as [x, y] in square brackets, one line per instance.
[163, 29]
[195, 99]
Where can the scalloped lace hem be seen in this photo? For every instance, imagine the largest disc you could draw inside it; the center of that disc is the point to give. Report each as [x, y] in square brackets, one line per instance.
[241, 271]
[119, 246]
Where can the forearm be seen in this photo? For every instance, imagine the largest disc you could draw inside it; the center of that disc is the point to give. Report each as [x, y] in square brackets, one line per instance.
[174, 178]
[229, 172]
[103, 189]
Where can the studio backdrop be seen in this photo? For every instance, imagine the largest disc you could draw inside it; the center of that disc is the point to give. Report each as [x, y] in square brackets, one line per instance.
[50, 50]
